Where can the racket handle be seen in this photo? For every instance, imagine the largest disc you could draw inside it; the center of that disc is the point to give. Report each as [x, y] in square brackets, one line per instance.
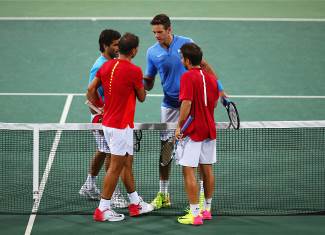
[224, 101]
[93, 107]
[187, 123]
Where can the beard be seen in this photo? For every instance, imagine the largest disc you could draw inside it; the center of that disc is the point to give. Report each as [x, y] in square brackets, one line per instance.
[113, 54]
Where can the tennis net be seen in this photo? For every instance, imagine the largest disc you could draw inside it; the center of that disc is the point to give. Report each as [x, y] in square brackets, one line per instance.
[265, 168]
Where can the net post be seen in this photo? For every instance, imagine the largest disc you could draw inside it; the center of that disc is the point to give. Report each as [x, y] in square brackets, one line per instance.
[35, 162]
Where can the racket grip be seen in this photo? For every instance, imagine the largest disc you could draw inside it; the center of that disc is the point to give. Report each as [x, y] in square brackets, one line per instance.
[224, 101]
[187, 123]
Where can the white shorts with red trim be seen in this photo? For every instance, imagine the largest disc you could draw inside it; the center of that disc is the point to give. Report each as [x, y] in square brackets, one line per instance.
[191, 153]
[120, 141]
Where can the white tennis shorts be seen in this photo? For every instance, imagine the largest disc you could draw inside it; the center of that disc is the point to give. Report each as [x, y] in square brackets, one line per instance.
[101, 143]
[191, 153]
[168, 115]
[120, 141]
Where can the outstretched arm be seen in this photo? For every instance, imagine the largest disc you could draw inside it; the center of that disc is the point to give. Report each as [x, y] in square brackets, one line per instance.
[206, 67]
[148, 83]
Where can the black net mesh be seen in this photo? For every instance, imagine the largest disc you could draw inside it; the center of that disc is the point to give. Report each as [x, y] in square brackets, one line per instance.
[260, 171]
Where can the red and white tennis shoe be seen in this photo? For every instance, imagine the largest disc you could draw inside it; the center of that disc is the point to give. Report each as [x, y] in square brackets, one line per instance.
[107, 215]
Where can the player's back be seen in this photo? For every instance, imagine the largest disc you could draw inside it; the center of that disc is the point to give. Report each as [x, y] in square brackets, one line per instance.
[204, 97]
[119, 79]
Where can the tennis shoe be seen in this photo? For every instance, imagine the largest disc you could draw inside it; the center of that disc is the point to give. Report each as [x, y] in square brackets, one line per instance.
[206, 215]
[161, 200]
[108, 215]
[90, 192]
[141, 208]
[190, 219]
[118, 200]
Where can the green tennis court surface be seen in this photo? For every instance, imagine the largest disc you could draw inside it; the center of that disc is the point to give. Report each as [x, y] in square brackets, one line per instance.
[273, 69]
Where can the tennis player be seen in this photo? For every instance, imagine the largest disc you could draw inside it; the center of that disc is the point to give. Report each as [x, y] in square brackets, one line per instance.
[164, 57]
[199, 95]
[108, 46]
[122, 84]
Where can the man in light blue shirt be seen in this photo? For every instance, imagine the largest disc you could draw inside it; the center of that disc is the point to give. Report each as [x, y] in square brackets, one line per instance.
[108, 46]
[164, 58]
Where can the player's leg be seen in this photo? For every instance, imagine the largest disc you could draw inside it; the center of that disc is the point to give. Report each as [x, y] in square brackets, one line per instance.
[107, 161]
[162, 198]
[208, 179]
[189, 159]
[207, 158]
[115, 141]
[89, 188]
[104, 210]
[137, 205]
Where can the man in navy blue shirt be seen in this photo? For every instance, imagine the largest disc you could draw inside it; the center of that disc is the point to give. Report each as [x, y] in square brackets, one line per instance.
[164, 58]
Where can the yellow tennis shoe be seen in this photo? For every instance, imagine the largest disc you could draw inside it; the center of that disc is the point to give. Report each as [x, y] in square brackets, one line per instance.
[161, 200]
[190, 219]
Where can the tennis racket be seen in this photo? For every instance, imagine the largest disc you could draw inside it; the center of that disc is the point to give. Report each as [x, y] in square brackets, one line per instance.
[166, 162]
[93, 107]
[232, 112]
[138, 138]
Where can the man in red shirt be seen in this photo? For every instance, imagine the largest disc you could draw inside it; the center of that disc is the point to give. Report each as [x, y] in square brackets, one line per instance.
[122, 84]
[199, 95]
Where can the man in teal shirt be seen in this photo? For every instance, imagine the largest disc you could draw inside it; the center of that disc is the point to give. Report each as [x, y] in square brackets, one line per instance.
[108, 46]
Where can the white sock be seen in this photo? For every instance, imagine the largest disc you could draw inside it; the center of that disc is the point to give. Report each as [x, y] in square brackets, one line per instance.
[91, 181]
[195, 209]
[163, 186]
[201, 187]
[104, 204]
[134, 198]
[207, 204]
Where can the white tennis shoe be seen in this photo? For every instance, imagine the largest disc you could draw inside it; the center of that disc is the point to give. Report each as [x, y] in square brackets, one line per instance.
[141, 208]
[90, 192]
[107, 215]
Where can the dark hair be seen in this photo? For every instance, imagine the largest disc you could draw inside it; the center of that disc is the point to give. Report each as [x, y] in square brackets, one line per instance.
[192, 52]
[106, 37]
[127, 42]
[161, 19]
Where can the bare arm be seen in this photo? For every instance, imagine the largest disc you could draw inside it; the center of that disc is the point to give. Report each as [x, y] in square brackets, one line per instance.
[206, 67]
[184, 112]
[141, 94]
[92, 94]
[148, 83]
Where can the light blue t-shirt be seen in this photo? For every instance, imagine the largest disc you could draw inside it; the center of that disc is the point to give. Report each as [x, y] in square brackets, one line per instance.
[167, 62]
[99, 62]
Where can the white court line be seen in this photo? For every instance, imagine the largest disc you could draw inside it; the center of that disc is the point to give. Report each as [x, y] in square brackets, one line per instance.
[57, 18]
[48, 166]
[161, 95]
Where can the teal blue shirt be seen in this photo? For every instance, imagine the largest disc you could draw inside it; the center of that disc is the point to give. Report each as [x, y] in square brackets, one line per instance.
[98, 63]
[167, 62]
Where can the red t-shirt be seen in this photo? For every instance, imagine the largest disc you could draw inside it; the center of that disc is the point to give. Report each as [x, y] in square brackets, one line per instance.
[119, 79]
[192, 88]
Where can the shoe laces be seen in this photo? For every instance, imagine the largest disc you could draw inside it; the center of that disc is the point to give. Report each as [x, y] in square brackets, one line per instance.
[113, 212]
